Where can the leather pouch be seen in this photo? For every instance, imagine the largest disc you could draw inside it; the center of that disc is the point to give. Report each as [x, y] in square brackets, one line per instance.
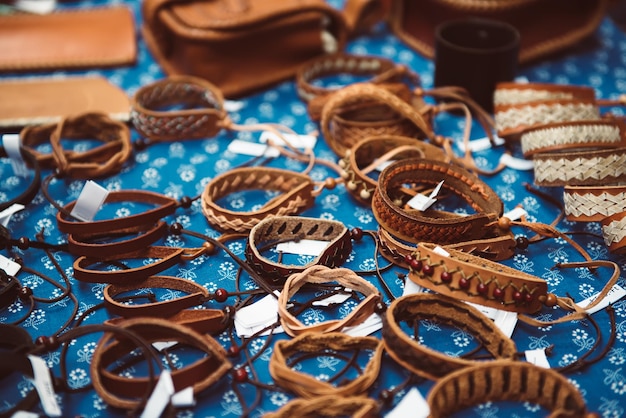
[241, 46]
[68, 39]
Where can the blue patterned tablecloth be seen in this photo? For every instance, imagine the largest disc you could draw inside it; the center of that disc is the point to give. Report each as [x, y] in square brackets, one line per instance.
[183, 169]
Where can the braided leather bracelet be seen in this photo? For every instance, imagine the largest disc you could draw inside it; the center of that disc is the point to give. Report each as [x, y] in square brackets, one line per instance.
[593, 203]
[510, 93]
[504, 380]
[328, 406]
[425, 361]
[321, 274]
[437, 226]
[296, 195]
[614, 232]
[294, 228]
[309, 387]
[31, 191]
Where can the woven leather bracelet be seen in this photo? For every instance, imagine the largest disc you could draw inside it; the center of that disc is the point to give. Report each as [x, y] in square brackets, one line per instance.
[295, 228]
[365, 154]
[296, 195]
[318, 275]
[119, 391]
[328, 406]
[202, 109]
[593, 203]
[510, 93]
[425, 361]
[504, 380]
[580, 168]
[308, 386]
[437, 226]
[29, 193]
[614, 232]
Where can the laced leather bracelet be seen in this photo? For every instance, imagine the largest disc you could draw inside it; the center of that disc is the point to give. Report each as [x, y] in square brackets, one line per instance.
[425, 361]
[325, 275]
[505, 380]
[614, 232]
[328, 406]
[28, 193]
[511, 93]
[278, 229]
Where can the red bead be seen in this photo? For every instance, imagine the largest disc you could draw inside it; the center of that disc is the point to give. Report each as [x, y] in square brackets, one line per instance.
[356, 234]
[482, 288]
[221, 295]
[518, 296]
[240, 375]
[416, 265]
[427, 269]
[528, 297]
[464, 283]
[446, 276]
[498, 293]
[408, 258]
[233, 351]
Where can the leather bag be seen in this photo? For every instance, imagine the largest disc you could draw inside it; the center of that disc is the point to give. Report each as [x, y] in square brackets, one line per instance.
[241, 46]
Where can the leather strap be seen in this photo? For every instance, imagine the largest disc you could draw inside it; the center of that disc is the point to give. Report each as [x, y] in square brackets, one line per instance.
[425, 361]
[294, 228]
[322, 274]
[296, 195]
[328, 406]
[199, 109]
[28, 193]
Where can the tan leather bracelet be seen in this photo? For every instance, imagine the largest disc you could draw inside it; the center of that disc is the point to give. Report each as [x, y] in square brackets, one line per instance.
[328, 406]
[293, 228]
[297, 195]
[511, 93]
[201, 116]
[614, 232]
[425, 361]
[309, 387]
[504, 380]
[119, 391]
[437, 226]
[322, 274]
[387, 147]
[578, 135]
[580, 168]
[593, 203]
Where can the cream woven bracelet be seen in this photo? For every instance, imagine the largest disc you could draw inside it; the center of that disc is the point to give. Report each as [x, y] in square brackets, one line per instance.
[509, 93]
[614, 232]
[592, 204]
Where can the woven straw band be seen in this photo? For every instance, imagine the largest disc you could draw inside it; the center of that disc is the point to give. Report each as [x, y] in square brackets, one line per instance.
[592, 204]
[583, 168]
[328, 406]
[203, 109]
[572, 135]
[296, 189]
[614, 232]
[322, 274]
[508, 93]
[277, 229]
[381, 149]
[308, 386]
[425, 361]
[437, 226]
[504, 380]
[512, 120]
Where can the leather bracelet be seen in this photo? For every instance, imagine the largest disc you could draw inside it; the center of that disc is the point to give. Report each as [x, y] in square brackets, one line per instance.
[202, 109]
[28, 193]
[559, 137]
[511, 93]
[9, 289]
[118, 391]
[322, 274]
[366, 152]
[103, 160]
[328, 406]
[425, 361]
[309, 387]
[297, 195]
[437, 226]
[361, 110]
[580, 168]
[593, 203]
[290, 228]
[505, 380]
[474, 279]
[614, 232]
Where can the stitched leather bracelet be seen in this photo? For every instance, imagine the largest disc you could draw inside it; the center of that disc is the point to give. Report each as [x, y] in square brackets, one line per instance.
[202, 110]
[365, 153]
[510, 93]
[437, 226]
[614, 232]
[504, 380]
[296, 195]
[309, 387]
[293, 228]
[580, 168]
[28, 193]
[119, 391]
[322, 274]
[577, 135]
[593, 203]
[425, 361]
[328, 406]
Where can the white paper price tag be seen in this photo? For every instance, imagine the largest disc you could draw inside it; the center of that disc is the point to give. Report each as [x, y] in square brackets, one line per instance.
[160, 397]
[412, 404]
[504, 320]
[298, 141]
[372, 324]
[5, 215]
[12, 144]
[537, 357]
[89, 201]
[163, 345]
[515, 214]
[410, 287]
[441, 251]
[516, 163]
[480, 144]
[233, 105]
[303, 247]
[9, 266]
[184, 398]
[253, 318]
[421, 202]
[252, 149]
[44, 386]
[616, 293]
[36, 6]
[334, 299]
[24, 414]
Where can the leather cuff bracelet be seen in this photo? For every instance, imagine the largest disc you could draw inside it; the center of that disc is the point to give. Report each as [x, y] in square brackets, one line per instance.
[201, 109]
[593, 204]
[474, 279]
[31, 191]
[511, 93]
[308, 386]
[328, 406]
[580, 168]
[296, 195]
[506, 381]
[437, 226]
[119, 391]
[428, 362]
[359, 160]
[321, 274]
[614, 232]
[295, 228]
